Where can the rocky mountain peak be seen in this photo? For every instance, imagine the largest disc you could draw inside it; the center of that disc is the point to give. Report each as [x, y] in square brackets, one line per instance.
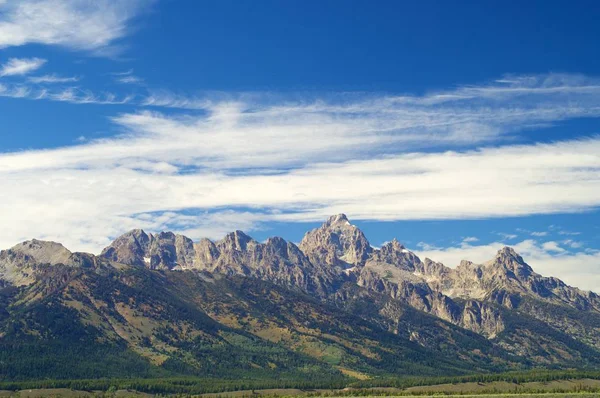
[44, 252]
[393, 246]
[337, 219]
[129, 248]
[164, 250]
[278, 244]
[336, 264]
[394, 253]
[206, 253]
[432, 268]
[509, 252]
[137, 235]
[17, 263]
[137, 232]
[337, 242]
[237, 240]
[508, 259]
[466, 265]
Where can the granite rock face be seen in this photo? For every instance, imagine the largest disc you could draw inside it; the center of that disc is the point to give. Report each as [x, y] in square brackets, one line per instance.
[337, 243]
[503, 300]
[19, 264]
[472, 296]
[164, 251]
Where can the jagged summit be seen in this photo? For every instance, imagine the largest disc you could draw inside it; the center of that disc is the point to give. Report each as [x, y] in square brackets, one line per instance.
[507, 258]
[337, 242]
[394, 245]
[502, 303]
[337, 252]
[507, 250]
[337, 219]
[237, 240]
[394, 253]
[156, 251]
[136, 232]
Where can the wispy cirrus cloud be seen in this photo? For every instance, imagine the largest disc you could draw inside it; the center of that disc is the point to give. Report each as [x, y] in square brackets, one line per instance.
[21, 66]
[104, 186]
[467, 115]
[74, 24]
[470, 239]
[506, 237]
[52, 79]
[302, 159]
[70, 94]
[127, 77]
[129, 80]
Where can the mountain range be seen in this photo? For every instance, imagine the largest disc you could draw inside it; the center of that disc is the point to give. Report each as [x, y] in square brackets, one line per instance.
[331, 308]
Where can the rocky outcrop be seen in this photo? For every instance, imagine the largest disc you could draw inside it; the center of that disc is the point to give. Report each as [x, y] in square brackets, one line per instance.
[328, 256]
[161, 251]
[337, 243]
[276, 261]
[19, 264]
[481, 318]
[503, 280]
[472, 296]
[503, 302]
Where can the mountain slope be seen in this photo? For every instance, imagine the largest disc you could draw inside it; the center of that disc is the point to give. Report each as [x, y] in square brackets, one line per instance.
[332, 307]
[98, 321]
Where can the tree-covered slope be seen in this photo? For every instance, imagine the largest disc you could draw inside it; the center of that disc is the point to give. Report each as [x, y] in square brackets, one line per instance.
[331, 308]
[107, 321]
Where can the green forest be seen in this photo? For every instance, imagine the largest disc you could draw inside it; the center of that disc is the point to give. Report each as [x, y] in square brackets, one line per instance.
[195, 385]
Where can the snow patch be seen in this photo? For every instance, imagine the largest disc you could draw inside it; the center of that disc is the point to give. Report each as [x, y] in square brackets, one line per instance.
[147, 260]
[350, 270]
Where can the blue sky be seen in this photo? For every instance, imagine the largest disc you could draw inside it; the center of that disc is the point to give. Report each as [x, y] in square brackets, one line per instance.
[457, 127]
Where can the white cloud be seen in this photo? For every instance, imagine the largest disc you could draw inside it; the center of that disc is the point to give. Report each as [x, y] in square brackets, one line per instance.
[573, 244]
[506, 236]
[577, 269]
[127, 77]
[70, 94]
[552, 247]
[129, 80]
[539, 233]
[21, 66]
[426, 246]
[75, 24]
[52, 79]
[341, 125]
[104, 182]
[470, 239]
[307, 159]
[569, 233]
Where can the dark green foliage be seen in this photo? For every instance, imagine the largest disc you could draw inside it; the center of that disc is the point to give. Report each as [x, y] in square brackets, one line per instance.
[193, 385]
[42, 337]
[541, 375]
[517, 321]
[46, 340]
[175, 385]
[394, 355]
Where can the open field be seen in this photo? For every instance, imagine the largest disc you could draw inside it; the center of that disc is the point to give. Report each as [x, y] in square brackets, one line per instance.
[508, 387]
[580, 388]
[66, 393]
[545, 382]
